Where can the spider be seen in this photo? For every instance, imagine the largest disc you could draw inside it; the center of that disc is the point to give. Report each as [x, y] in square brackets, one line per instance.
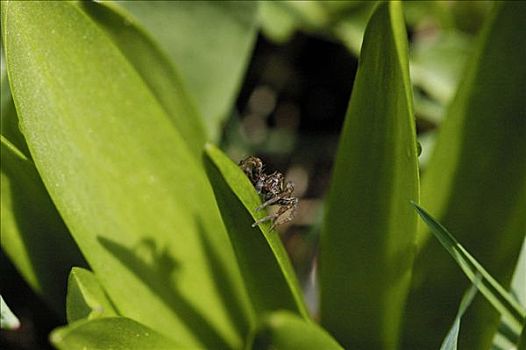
[273, 191]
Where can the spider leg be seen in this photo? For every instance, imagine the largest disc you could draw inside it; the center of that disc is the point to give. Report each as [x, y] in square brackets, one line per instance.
[269, 202]
[274, 224]
[265, 219]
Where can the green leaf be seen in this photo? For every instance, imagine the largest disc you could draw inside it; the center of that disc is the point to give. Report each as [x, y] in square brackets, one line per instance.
[277, 24]
[518, 285]
[34, 236]
[264, 263]
[451, 340]
[86, 298]
[116, 333]
[522, 341]
[132, 194]
[488, 286]
[8, 118]
[153, 66]
[346, 20]
[286, 331]
[8, 320]
[210, 43]
[437, 65]
[475, 184]
[367, 242]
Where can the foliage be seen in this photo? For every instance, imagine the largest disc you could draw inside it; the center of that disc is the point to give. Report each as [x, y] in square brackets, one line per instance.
[375, 176]
[111, 192]
[7, 319]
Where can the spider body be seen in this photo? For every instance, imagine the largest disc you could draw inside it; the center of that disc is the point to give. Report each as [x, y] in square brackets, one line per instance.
[273, 191]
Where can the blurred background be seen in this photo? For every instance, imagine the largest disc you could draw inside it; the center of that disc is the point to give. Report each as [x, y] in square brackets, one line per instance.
[290, 108]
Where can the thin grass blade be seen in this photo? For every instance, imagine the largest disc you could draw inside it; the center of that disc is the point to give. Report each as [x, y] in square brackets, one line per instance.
[488, 286]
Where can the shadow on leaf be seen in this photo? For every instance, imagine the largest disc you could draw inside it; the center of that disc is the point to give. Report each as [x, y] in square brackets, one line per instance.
[155, 266]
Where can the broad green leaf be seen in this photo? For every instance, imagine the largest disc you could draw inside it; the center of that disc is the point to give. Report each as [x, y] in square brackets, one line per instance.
[475, 184]
[263, 261]
[116, 333]
[8, 320]
[210, 43]
[286, 331]
[154, 67]
[34, 236]
[86, 298]
[488, 286]
[451, 340]
[132, 194]
[367, 242]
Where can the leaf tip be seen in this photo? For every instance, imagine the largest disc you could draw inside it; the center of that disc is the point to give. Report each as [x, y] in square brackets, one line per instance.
[210, 151]
[417, 207]
[55, 337]
[209, 146]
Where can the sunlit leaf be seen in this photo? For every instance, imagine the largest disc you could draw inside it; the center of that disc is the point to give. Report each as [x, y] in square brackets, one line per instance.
[86, 299]
[116, 333]
[33, 235]
[133, 195]
[154, 67]
[8, 320]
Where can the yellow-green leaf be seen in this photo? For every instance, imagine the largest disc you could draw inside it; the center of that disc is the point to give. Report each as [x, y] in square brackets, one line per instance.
[133, 195]
[154, 67]
[116, 333]
[86, 298]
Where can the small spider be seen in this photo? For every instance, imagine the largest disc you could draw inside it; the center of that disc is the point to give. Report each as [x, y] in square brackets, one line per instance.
[273, 190]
